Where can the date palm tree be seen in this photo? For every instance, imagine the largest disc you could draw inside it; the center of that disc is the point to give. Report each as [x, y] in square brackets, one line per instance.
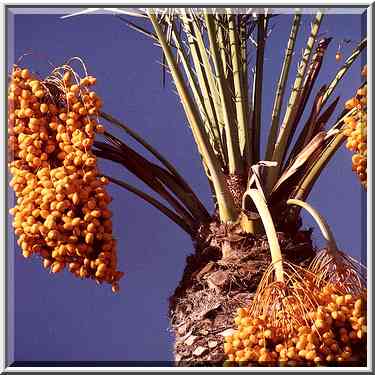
[206, 53]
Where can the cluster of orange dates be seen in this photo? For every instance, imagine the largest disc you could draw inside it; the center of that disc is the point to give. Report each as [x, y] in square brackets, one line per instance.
[61, 211]
[325, 335]
[356, 131]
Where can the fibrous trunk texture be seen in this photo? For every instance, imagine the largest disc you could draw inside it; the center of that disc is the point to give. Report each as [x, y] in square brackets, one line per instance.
[203, 306]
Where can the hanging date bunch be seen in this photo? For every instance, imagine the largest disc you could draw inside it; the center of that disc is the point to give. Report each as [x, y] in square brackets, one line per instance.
[356, 131]
[329, 329]
[61, 211]
[313, 316]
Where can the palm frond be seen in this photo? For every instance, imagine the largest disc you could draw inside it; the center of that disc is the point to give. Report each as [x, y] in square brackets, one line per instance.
[224, 198]
[276, 111]
[313, 125]
[335, 139]
[258, 88]
[140, 167]
[207, 56]
[240, 93]
[138, 28]
[206, 113]
[286, 128]
[154, 202]
[311, 77]
[145, 144]
[300, 160]
[205, 76]
[231, 133]
[187, 196]
[343, 70]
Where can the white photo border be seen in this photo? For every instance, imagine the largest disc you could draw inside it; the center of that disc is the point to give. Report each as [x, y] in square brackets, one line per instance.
[6, 297]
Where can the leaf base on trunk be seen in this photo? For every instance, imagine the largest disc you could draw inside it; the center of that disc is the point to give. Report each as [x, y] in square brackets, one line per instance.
[204, 304]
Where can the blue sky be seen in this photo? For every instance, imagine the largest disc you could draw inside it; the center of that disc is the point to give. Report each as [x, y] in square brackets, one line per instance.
[61, 318]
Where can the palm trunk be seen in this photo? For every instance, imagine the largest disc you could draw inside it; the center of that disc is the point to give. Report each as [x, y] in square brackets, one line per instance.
[203, 306]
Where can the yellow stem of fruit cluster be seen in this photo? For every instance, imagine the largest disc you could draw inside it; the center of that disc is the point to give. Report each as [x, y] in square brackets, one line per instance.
[269, 227]
[322, 223]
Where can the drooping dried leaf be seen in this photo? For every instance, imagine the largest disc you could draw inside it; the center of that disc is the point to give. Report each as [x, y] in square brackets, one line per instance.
[326, 115]
[311, 78]
[301, 159]
[308, 131]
